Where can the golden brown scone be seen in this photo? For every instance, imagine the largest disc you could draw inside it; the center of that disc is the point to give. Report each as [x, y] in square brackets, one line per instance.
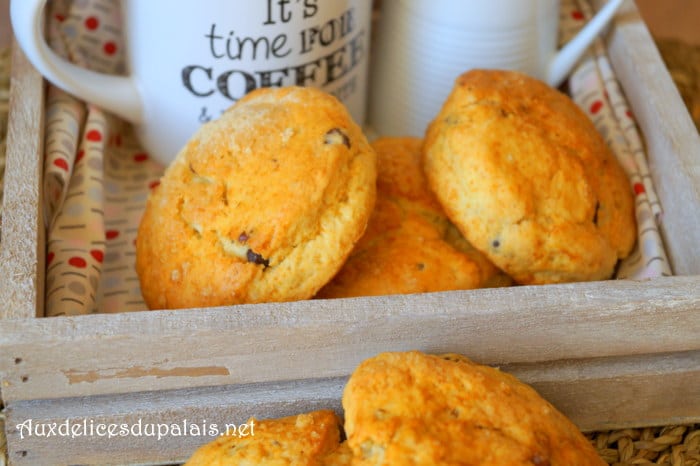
[410, 245]
[529, 181]
[263, 204]
[295, 440]
[417, 409]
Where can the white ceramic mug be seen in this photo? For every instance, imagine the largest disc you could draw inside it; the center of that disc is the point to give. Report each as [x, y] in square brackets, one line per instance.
[423, 45]
[189, 60]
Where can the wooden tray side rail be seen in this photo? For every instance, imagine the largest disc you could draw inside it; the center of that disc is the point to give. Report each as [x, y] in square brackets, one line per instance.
[673, 143]
[22, 249]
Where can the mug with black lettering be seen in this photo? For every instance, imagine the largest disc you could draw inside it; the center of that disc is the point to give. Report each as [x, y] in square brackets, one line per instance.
[189, 60]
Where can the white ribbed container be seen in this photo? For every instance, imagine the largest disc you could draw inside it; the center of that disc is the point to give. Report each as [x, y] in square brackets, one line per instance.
[423, 45]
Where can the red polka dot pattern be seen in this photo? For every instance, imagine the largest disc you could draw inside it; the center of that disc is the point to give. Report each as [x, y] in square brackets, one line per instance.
[97, 255]
[94, 186]
[77, 262]
[93, 135]
[61, 163]
[110, 48]
[92, 23]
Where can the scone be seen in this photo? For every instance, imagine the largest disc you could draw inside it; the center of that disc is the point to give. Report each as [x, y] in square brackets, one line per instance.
[263, 204]
[410, 246]
[301, 440]
[341, 456]
[417, 409]
[529, 181]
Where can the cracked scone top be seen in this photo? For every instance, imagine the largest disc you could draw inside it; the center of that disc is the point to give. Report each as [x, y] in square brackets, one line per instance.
[263, 204]
[412, 408]
[529, 181]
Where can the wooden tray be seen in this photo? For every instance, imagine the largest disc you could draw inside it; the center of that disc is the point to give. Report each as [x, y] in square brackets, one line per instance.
[609, 354]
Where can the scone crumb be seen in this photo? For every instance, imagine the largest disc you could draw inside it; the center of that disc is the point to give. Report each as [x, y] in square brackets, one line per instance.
[287, 134]
[337, 136]
[232, 248]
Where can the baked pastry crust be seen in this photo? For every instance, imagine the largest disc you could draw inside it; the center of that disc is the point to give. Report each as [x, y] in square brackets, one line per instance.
[419, 409]
[301, 440]
[529, 181]
[410, 246]
[263, 204]
[341, 456]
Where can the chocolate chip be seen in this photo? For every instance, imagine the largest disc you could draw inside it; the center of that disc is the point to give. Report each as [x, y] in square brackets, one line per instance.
[336, 136]
[496, 243]
[539, 460]
[420, 266]
[243, 237]
[595, 214]
[256, 258]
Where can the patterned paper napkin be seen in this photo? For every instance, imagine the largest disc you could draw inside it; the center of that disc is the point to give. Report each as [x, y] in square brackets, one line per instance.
[97, 177]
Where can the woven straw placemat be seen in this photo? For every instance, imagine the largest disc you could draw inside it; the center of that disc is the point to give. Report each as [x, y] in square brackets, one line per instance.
[668, 445]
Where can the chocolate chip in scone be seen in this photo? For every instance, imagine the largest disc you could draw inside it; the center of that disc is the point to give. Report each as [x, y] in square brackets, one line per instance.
[243, 237]
[224, 197]
[539, 460]
[595, 213]
[337, 136]
[199, 178]
[452, 120]
[496, 244]
[256, 258]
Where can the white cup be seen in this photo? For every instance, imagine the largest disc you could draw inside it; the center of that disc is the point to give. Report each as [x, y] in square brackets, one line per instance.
[422, 46]
[189, 60]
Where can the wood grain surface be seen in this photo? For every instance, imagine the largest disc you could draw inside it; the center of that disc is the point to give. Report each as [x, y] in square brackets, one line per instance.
[23, 233]
[672, 141]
